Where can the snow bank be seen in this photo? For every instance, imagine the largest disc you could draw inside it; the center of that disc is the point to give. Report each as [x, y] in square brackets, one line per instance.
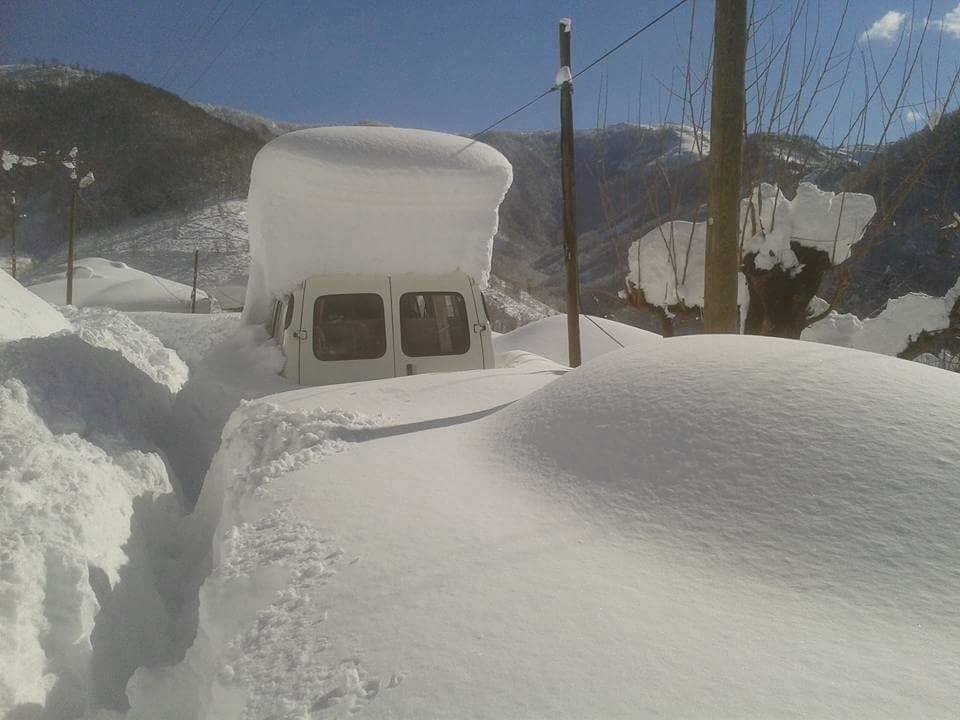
[110, 283]
[229, 362]
[23, 314]
[87, 506]
[668, 262]
[692, 524]
[369, 199]
[892, 330]
[548, 338]
[113, 330]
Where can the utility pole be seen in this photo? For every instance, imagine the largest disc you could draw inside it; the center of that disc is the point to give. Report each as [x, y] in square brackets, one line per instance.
[570, 260]
[71, 229]
[193, 293]
[13, 233]
[726, 148]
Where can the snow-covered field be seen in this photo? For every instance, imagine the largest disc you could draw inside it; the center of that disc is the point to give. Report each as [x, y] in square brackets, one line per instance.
[690, 527]
[761, 526]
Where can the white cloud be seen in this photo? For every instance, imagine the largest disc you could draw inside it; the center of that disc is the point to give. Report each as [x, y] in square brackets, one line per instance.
[951, 22]
[886, 27]
[913, 116]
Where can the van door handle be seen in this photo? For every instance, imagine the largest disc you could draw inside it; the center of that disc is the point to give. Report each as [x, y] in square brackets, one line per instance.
[478, 328]
[300, 334]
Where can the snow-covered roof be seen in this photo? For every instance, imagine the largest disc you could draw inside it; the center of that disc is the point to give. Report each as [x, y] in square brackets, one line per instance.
[370, 199]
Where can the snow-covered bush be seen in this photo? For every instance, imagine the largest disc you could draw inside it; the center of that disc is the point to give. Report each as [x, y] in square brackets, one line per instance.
[908, 326]
[787, 245]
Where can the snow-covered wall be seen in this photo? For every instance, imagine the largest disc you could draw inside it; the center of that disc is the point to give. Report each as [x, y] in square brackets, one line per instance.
[370, 199]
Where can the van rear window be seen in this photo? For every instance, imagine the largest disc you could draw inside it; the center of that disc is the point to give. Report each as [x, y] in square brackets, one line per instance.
[433, 323]
[349, 327]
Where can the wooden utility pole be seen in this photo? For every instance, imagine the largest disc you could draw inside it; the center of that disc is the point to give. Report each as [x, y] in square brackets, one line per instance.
[570, 259]
[726, 148]
[193, 293]
[13, 233]
[71, 229]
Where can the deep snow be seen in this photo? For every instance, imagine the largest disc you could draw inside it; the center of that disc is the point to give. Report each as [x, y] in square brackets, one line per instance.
[111, 283]
[25, 315]
[704, 526]
[548, 338]
[369, 199]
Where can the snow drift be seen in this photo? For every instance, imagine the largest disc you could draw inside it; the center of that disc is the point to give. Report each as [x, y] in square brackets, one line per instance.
[23, 314]
[111, 283]
[758, 525]
[548, 338]
[86, 508]
[369, 199]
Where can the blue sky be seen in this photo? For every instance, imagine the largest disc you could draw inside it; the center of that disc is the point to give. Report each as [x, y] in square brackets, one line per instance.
[452, 65]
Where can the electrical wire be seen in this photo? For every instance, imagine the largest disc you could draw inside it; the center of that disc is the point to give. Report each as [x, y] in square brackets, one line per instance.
[589, 66]
[229, 44]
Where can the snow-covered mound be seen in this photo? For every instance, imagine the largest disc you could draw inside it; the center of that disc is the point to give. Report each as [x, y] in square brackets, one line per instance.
[763, 526]
[23, 314]
[86, 509]
[891, 331]
[370, 199]
[548, 338]
[113, 330]
[111, 283]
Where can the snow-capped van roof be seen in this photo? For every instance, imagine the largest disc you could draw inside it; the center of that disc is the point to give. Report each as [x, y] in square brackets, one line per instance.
[370, 199]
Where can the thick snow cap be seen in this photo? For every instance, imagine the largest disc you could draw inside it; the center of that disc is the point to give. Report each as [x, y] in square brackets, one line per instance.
[370, 199]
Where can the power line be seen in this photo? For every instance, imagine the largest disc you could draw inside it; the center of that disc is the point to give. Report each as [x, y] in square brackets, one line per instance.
[240, 29]
[590, 65]
[191, 45]
[646, 27]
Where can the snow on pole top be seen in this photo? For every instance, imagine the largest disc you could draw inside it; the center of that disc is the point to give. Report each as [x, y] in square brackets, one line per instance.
[370, 199]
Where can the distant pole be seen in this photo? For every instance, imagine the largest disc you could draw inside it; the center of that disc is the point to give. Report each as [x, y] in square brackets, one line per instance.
[71, 229]
[726, 147]
[193, 293]
[570, 259]
[13, 232]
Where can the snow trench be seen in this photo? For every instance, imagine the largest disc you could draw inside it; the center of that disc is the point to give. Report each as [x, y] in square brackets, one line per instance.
[257, 646]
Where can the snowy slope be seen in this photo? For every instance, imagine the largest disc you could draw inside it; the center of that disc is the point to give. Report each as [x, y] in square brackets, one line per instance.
[698, 527]
[112, 283]
[24, 314]
[548, 338]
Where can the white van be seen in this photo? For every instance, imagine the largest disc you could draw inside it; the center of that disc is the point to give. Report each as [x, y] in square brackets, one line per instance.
[347, 327]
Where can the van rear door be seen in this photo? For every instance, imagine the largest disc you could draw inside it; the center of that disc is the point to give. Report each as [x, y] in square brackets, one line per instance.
[436, 327]
[345, 331]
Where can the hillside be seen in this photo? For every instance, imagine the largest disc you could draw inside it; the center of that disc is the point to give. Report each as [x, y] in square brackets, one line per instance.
[154, 153]
[149, 150]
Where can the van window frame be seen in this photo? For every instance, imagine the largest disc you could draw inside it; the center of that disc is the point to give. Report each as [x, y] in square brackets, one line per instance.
[429, 293]
[317, 331]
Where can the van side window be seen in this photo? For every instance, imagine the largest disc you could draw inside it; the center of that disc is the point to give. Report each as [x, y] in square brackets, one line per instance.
[276, 317]
[349, 327]
[289, 316]
[433, 323]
